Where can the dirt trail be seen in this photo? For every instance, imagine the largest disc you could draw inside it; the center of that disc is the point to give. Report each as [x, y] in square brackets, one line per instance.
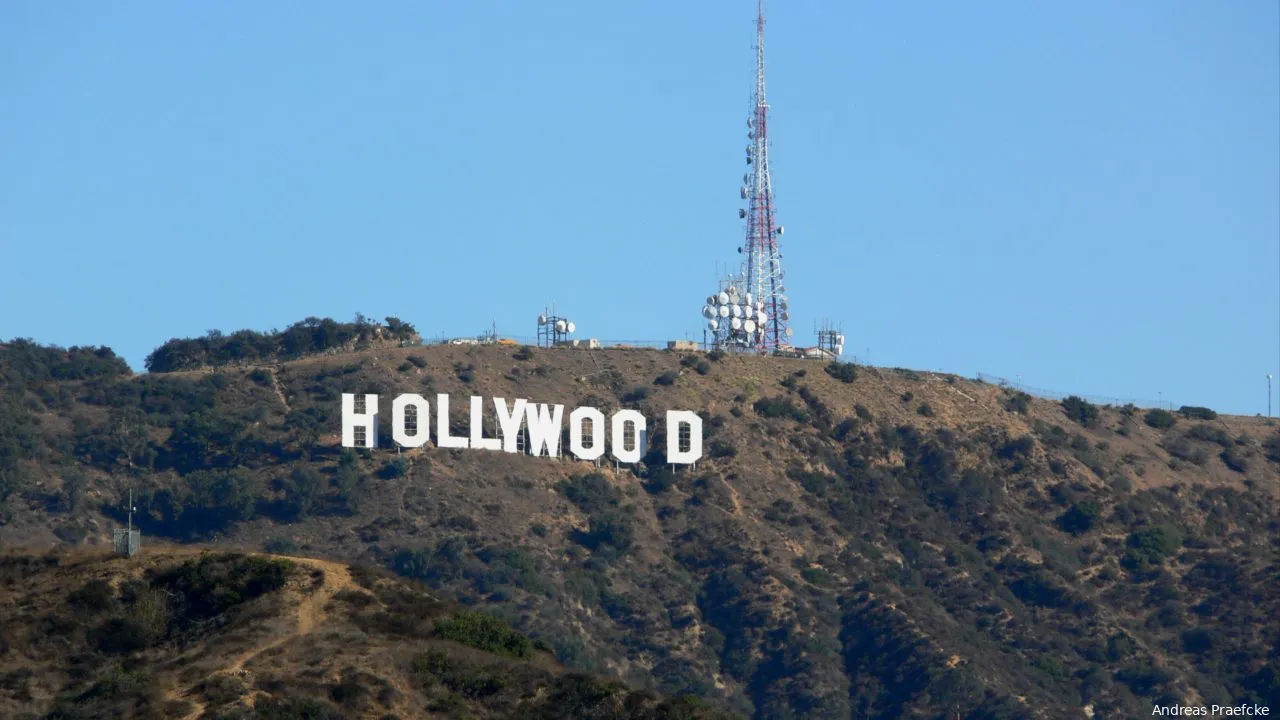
[275, 385]
[310, 614]
[733, 496]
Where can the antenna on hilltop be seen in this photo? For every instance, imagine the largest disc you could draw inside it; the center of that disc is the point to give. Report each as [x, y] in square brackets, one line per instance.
[763, 272]
[552, 329]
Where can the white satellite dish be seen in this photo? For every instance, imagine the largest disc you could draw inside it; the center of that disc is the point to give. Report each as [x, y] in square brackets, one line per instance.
[750, 300]
[724, 298]
[724, 311]
[560, 326]
[790, 332]
[711, 299]
[744, 193]
[762, 319]
[708, 311]
[786, 316]
[572, 327]
[779, 232]
[713, 323]
[736, 310]
[542, 319]
[749, 326]
[736, 323]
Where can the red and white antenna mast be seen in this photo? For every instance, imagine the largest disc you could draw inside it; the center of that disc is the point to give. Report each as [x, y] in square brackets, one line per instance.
[763, 272]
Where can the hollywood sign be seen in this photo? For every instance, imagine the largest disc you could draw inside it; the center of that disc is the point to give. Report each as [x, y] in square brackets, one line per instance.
[539, 424]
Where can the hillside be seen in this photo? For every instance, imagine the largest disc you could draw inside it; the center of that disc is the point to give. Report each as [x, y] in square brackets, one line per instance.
[181, 634]
[878, 543]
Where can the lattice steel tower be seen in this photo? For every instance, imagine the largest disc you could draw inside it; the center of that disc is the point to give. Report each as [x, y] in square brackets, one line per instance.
[763, 267]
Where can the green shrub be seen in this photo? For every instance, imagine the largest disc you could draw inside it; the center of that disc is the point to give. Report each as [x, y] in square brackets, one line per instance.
[281, 546]
[213, 584]
[777, 407]
[666, 378]
[484, 633]
[396, 467]
[719, 449]
[96, 596]
[1152, 546]
[1197, 413]
[925, 409]
[1080, 518]
[1018, 402]
[418, 361]
[1160, 419]
[1080, 410]
[466, 372]
[524, 353]
[1209, 433]
[1272, 447]
[1234, 460]
[844, 372]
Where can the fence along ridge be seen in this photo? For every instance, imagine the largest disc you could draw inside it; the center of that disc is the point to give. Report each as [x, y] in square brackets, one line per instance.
[1055, 395]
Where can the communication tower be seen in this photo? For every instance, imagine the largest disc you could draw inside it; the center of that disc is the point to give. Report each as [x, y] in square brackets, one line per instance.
[553, 329]
[735, 318]
[763, 274]
[830, 339]
[128, 542]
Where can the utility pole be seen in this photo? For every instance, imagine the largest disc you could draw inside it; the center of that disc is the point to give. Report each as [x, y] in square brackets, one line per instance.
[1268, 395]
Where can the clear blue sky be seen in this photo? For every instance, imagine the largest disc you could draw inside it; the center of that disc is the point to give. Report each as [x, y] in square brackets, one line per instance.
[1085, 194]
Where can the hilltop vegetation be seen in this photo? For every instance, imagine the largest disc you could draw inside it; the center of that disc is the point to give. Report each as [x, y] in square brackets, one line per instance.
[855, 542]
[308, 337]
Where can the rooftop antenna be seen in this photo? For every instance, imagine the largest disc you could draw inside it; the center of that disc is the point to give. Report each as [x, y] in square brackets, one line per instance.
[763, 274]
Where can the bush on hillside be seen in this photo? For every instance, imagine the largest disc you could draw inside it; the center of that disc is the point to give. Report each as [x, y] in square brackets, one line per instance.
[1210, 433]
[776, 407]
[484, 633]
[1080, 518]
[1197, 413]
[1080, 410]
[1152, 546]
[1160, 419]
[1018, 402]
[844, 372]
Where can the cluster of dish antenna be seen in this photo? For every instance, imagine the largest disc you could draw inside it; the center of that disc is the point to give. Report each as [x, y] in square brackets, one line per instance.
[553, 329]
[562, 326]
[735, 316]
